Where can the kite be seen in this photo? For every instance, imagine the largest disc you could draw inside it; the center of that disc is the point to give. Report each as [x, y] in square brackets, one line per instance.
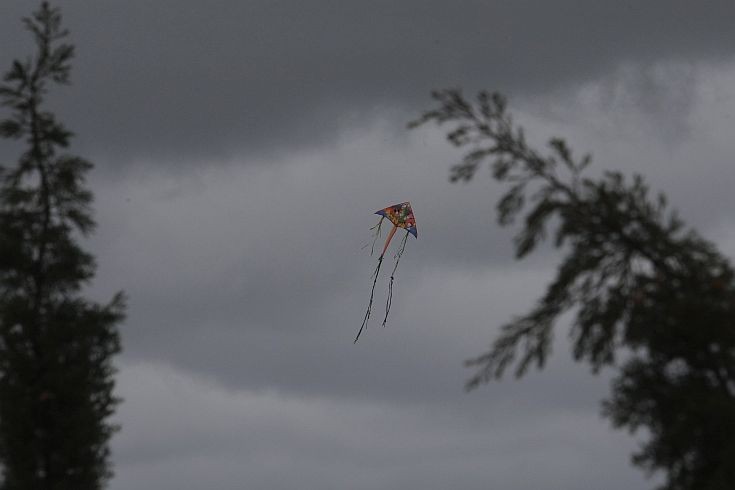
[401, 215]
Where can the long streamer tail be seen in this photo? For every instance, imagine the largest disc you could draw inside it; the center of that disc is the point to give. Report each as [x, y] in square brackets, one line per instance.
[372, 293]
[376, 234]
[398, 256]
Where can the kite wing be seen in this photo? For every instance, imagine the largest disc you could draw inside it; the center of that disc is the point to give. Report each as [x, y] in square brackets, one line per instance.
[401, 215]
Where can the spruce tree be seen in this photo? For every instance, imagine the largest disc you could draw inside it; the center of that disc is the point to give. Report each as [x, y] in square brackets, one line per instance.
[653, 300]
[56, 347]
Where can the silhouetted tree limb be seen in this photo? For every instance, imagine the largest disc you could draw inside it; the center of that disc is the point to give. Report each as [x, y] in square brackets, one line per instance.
[639, 282]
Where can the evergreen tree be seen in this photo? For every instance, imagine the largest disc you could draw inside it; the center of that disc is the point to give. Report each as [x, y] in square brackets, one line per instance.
[56, 348]
[652, 299]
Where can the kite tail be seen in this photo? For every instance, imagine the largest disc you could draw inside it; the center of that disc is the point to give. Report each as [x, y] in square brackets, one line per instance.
[376, 235]
[372, 293]
[392, 274]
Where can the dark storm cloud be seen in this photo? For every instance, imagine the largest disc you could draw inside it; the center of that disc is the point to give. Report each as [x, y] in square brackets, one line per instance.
[247, 282]
[185, 79]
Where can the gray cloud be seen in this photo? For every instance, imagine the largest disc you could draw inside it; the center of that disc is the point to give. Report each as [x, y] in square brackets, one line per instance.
[244, 147]
[191, 432]
[190, 80]
[255, 274]
[252, 277]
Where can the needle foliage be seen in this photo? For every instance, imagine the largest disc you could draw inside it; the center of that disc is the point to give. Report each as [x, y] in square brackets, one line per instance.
[56, 347]
[651, 299]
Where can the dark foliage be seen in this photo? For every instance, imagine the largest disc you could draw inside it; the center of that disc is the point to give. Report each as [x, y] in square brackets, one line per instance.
[56, 348]
[652, 299]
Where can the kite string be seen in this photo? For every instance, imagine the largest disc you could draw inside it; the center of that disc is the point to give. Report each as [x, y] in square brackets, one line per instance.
[397, 256]
[370, 304]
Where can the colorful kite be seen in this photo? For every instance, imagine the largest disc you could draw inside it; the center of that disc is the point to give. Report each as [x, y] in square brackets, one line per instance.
[401, 215]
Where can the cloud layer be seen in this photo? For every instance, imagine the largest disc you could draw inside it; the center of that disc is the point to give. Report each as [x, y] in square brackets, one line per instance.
[241, 149]
[185, 79]
[191, 432]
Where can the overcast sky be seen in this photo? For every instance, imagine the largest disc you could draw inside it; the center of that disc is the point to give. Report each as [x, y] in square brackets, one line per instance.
[241, 148]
